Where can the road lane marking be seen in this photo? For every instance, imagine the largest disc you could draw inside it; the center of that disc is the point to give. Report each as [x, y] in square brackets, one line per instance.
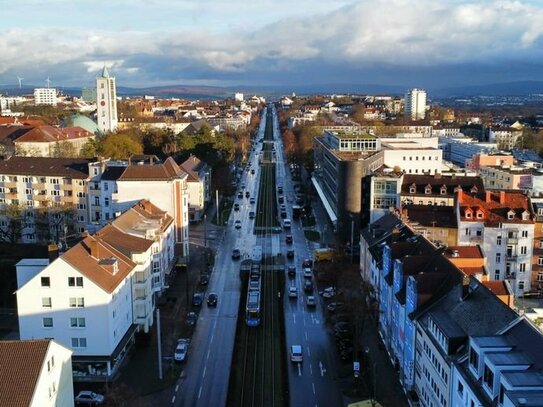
[208, 351]
[200, 392]
[173, 399]
[323, 369]
[299, 369]
[311, 369]
[305, 333]
[308, 351]
[313, 386]
[294, 318]
[204, 374]
[176, 388]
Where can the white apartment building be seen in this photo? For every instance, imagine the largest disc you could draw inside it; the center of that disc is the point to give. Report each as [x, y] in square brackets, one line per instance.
[199, 186]
[415, 104]
[84, 300]
[106, 102]
[501, 222]
[45, 96]
[36, 373]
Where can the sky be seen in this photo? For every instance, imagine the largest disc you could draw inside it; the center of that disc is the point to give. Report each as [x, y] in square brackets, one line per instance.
[425, 43]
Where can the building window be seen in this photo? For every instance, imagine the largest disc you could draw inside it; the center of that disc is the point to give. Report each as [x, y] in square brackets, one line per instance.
[522, 267]
[47, 322]
[541, 244]
[46, 302]
[473, 358]
[488, 377]
[539, 277]
[77, 323]
[75, 281]
[521, 285]
[499, 241]
[45, 282]
[524, 233]
[106, 186]
[79, 342]
[498, 258]
[497, 275]
[77, 302]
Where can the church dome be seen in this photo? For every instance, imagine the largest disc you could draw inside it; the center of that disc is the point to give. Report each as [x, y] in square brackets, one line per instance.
[78, 120]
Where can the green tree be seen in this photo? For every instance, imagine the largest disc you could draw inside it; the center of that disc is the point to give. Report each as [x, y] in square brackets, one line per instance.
[120, 146]
[89, 149]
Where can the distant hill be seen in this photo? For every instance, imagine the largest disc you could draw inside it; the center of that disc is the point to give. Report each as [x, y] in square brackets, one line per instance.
[520, 88]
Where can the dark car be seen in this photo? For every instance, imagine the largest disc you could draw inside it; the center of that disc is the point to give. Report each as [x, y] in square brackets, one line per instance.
[204, 279]
[252, 171]
[290, 254]
[247, 194]
[236, 254]
[197, 299]
[308, 286]
[240, 195]
[288, 239]
[252, 215]
[236, 207]
[192, 317]
[212, 300]
[307, 263]
[291, 270]
[281, 199]
[284, 214]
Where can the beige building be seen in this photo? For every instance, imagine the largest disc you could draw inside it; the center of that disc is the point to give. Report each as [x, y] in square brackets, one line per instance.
[49, 141]
[506, 177]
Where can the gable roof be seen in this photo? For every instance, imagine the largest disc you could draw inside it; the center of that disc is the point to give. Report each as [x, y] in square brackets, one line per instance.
[436, 182]
[152, 170]
[20, 366]
[50, 134]
[46, 166]
[88, 256]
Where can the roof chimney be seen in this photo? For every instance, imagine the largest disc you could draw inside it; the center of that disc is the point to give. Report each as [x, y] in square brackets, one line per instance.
[93, 247]
[460, 194]
[502, 197]
[465, 286]
[52, 251]
[488, 196]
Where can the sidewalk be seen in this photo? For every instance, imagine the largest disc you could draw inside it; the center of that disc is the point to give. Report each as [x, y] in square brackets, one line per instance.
[140, 375]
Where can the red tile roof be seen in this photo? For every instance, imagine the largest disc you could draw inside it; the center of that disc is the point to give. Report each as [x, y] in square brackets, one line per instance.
[497, 287]
[168, 170]
[495, 207]
[20, 366]
[472, 252]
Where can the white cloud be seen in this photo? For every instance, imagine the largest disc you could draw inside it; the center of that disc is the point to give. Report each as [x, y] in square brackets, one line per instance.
[377, 32]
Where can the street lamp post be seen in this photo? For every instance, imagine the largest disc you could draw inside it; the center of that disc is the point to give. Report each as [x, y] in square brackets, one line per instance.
[352, 238]
[205, 230]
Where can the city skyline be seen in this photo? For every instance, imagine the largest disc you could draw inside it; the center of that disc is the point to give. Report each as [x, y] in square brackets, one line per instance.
[395, 43]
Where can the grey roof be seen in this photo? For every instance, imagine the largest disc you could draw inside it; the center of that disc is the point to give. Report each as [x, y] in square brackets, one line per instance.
[526, 155]
[523, 378]
[112, 173]
[526, 337]
[478, 313]
[526, 398]
[491, 341]
[508, 358]
[447, 325]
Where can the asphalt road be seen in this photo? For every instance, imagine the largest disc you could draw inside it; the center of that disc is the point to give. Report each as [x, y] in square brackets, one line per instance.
[204, 379]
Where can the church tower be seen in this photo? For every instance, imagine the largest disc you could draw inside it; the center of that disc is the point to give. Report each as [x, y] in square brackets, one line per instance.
[106, 101]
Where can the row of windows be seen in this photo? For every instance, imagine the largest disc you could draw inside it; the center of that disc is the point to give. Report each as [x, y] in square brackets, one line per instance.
[75, 322]
[73, 302]
[72, 281]
[423, 158]
[41, 180]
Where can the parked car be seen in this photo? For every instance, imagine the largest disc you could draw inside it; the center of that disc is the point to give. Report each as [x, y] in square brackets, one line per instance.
[247, 194]
[296, 354]
[287, 223]
[204, 279]
[281, 199]
[236, 206]
[197, 299]
[252, 215]
[89, 397]
[240, 195]
[284, 214]
[252, 200]
[192, 317]
[310, 301]
[212, 299]
[290, 254]
[252, 171]
[333, 306]
[181, 350]
[236, 254]
[237, 224]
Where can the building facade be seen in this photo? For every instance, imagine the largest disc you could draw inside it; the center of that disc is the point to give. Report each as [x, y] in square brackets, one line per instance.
[45, 96]
[199, 187]
[415, 104]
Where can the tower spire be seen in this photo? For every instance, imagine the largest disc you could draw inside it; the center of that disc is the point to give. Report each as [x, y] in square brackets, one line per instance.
[105, 73]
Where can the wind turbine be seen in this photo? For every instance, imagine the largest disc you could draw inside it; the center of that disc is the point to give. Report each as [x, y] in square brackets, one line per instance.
[20, 81]
[48, 82]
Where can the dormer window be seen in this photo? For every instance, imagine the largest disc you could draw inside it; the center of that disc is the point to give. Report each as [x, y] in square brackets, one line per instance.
[412, 189]
[479, 214]
[474, 190]
[525, 215]
[428, 189]
[443, 190]
[469, 213]
[510, 215]
[488, 378]
[474, 360]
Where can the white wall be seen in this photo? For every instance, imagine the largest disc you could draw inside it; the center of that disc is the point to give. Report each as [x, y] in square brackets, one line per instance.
[414, 161]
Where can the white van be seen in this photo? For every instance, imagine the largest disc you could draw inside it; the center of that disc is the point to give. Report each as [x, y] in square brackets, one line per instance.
[296, 354]
[287, 223]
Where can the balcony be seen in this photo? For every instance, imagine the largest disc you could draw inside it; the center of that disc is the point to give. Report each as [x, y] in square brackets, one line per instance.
[140, 299]
[67, 187]
[512, 240]
[10, 184]
[141, 319]
[11, 195]
[476, 239]
[39, 185]
[511, 256]
[41, 198]
[67, 199]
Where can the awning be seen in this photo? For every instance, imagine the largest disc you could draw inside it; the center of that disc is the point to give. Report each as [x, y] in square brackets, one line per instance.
[324, 200]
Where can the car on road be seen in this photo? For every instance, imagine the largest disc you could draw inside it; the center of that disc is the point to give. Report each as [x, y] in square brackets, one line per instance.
[287, 223]
[181, 350]
[242, 186]
[252, 200]
[236, 254]
[236, 206]
[288, 239]
[240, 195]
[279, 189]
[252, 215]
[290, 254]
[282, 207]
[191, 319]
[281, 199]
[296, 354]
[204, 279]
[307, 263]
[89, 397]
[310, 301]
[247, 194]
[308, 286]
[307, 272]
[291, 270]
[252, 171]
[333, 306]
[237, 224]
[293, 291]
[197, 299]
[284, 214]
[212, 299]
